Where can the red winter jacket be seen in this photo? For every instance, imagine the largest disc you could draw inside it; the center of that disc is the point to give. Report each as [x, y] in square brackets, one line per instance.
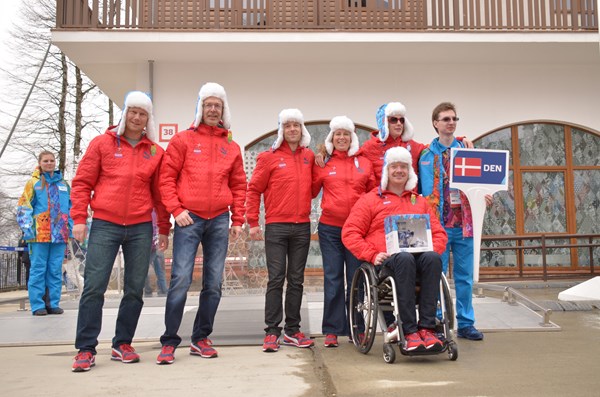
[374, 150]
[343, 179]
[285, 179]
[363, 233]
[123, 180]
[203, 172]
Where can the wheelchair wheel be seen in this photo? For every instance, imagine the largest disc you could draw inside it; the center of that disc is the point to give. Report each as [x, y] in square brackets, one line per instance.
[389, 354]
[449, 315]
[363, 308]
[452, 350]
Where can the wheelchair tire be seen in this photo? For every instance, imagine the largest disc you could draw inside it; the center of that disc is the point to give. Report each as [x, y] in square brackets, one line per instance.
[452, 350]
[389, 354]
[363, 308]
[448, 302]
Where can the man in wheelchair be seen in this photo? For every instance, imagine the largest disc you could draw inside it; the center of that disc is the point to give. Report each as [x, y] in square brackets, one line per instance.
[364, 235]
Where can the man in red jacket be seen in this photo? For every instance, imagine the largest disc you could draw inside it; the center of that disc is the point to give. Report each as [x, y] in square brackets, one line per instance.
[202, 182]
[283, 176]
[364, 235]
[118, 178]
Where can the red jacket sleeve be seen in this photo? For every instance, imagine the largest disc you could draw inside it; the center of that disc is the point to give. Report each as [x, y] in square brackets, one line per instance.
[171, 166]
[438, 233]
[163, 218]
[317, 180]
[256, 187]
[237, 185]
[85, 180]
[356, 228]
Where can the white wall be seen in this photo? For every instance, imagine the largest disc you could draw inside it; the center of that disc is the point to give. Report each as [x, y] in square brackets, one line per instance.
[488, 96]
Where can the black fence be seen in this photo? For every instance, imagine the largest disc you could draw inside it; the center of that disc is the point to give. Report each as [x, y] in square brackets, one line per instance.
[12, 270]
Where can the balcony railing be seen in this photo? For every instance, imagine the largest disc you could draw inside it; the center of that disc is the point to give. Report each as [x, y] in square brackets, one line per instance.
[330, 15]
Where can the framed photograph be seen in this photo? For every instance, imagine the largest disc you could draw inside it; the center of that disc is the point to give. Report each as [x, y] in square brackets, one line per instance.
[408, 233]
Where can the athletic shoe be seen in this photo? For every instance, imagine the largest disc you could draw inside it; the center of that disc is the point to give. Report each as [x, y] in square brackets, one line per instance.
[298, 340]
[203, 348]
[470, 333]
[55, 310]
[271, 343]
[40, 312]
[331, 340]
[413, 342]
[361, 337]
[125, 353]
[83, 362]
[430, 340]
[166, 356]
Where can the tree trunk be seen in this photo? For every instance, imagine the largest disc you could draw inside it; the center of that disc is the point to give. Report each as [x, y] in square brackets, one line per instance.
[78, 117]
[62, 105]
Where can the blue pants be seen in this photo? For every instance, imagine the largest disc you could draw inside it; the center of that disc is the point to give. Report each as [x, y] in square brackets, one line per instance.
[46, 272]
[214, 236]
[337, 260]
[462, 253]
[157, 261]
[103, 246]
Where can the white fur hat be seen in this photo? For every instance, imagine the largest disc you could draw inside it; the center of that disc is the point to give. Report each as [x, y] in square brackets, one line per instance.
[217, 91]
[291, 115]
[342, 123]
[398, 155]
[138, 99]
[393, 109]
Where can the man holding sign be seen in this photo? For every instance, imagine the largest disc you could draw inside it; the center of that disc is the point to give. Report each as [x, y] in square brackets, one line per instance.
[453, 210]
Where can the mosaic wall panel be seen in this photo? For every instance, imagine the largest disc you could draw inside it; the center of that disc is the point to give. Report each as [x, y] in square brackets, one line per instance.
[555, 257]
[586, 148]
[542, 144]
[544, 202]
[587, 204]
[499, 140]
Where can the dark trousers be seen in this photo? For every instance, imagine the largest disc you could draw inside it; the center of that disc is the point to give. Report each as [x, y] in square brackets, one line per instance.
[286, 250]
[408, 268]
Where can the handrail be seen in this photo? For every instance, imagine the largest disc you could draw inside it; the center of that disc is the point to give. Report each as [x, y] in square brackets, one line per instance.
[332, 15]
[509, 296]
[544, 246]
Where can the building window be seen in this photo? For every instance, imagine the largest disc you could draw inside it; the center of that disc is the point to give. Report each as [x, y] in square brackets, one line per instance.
[558, 191]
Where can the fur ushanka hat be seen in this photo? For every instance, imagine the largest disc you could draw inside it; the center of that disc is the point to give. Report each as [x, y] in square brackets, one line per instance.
[398, 155]
[138, 99]
[393, 109]
[342, 123]
[217, 91]
[291, 115]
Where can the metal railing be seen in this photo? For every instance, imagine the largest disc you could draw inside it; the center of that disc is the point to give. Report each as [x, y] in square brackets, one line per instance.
[545, 244]
[332, 15]
[12, 270]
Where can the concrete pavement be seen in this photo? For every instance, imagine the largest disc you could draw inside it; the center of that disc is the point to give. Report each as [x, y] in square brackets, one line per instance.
[508, 362]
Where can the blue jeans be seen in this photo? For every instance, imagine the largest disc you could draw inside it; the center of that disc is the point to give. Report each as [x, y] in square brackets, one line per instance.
[157, 261]
[336, 259]
[286, 250]
[45, 274]
[462, 273]
[214, 236]
[103, 245]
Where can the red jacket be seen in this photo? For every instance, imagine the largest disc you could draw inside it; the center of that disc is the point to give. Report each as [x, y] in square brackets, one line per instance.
[203, 172]
[123, 180]
[363, 233]
[284, 177]
[343, 179]
[374, 150]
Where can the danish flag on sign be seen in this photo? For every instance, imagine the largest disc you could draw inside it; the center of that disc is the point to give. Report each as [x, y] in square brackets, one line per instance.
[465, 166]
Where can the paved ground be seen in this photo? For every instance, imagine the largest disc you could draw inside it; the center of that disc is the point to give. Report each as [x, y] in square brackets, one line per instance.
[512, 360]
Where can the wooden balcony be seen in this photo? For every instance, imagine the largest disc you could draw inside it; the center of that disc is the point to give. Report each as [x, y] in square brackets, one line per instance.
[330, 15]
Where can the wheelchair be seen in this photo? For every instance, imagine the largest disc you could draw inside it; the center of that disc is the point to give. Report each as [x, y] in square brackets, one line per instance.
[373, 294]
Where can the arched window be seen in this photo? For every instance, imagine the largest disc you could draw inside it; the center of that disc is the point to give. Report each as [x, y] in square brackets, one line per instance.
[554, 188]
[318, 131]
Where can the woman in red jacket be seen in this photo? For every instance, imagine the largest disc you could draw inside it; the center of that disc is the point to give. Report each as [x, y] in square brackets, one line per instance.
[344, 179]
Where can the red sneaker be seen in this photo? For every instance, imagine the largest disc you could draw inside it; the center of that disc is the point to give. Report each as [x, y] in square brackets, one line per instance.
[413, 342]
[84, 361]
[125, 353]
[429, 338]
[166, 356]
[298, 340]
[203, 348]
[331, 340]
[271, 343]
